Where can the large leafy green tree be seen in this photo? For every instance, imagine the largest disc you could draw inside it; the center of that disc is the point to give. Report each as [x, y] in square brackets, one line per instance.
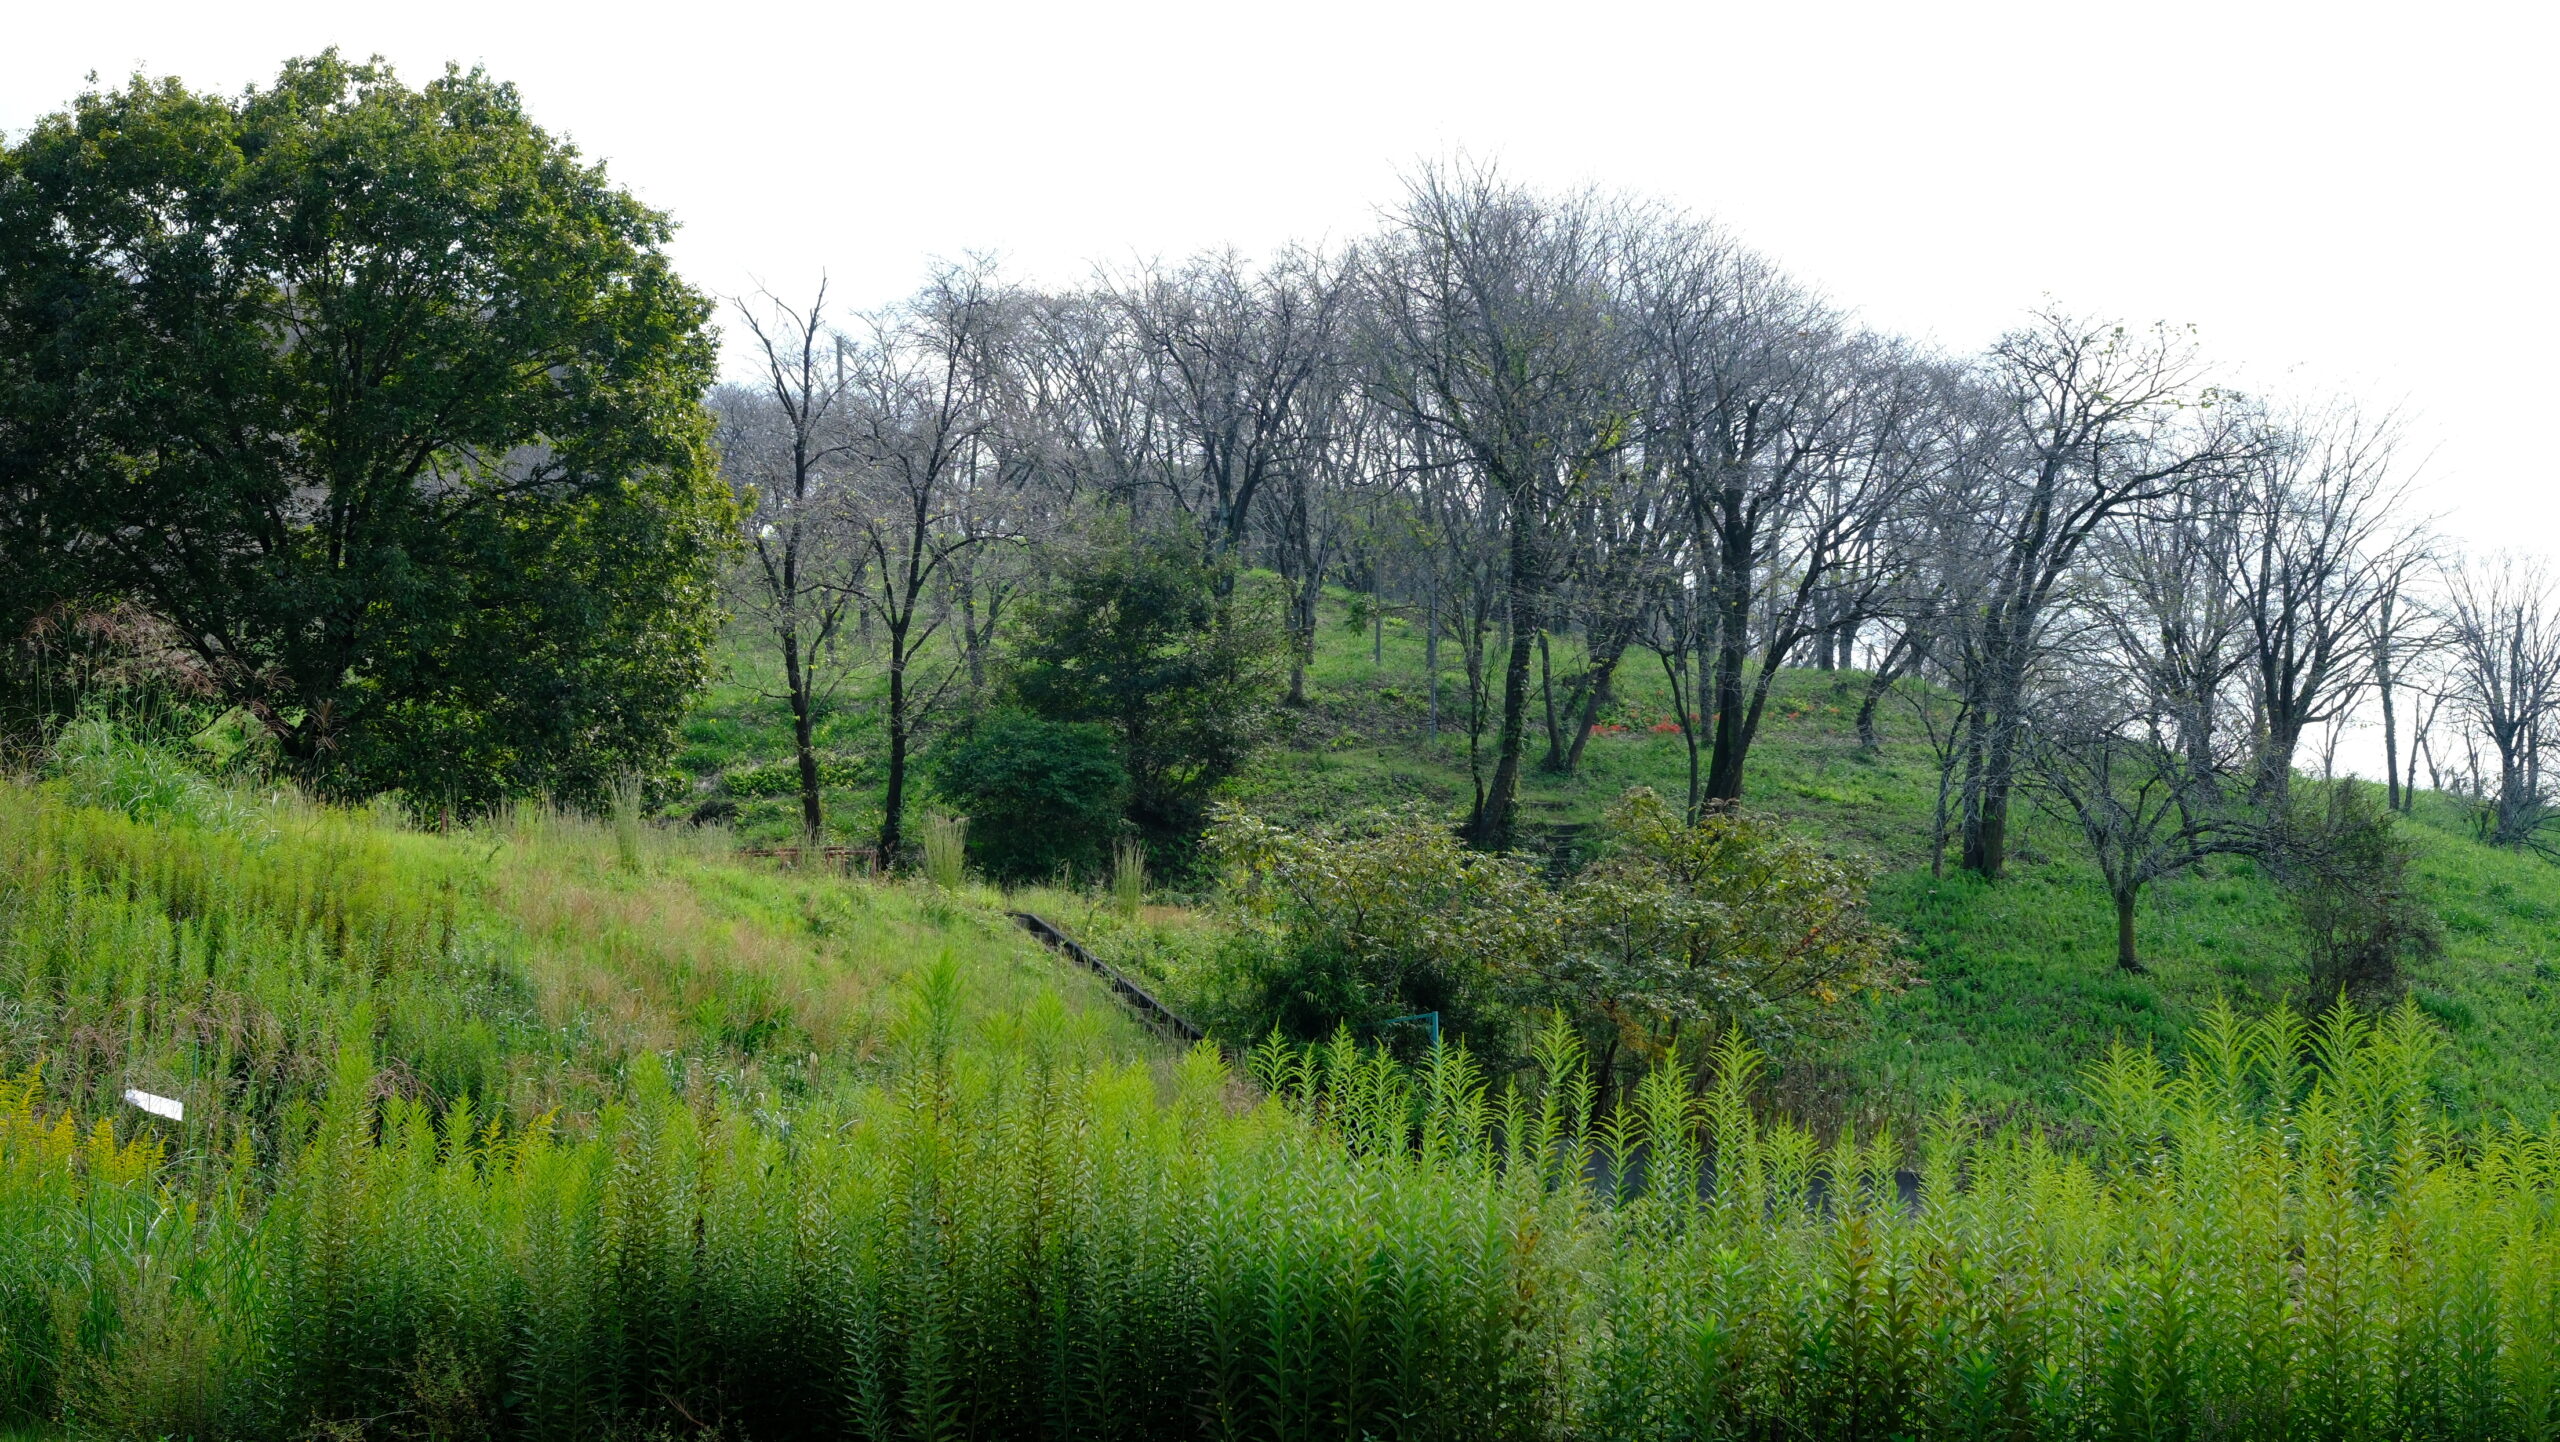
[381, 397]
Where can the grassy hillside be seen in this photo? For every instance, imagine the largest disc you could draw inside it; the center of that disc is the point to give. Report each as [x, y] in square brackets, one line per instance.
[2017, 990]
[224, 949]
[557, 1129]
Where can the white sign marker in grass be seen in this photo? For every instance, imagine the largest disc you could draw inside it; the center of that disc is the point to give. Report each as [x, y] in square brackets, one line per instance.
[158, 1106]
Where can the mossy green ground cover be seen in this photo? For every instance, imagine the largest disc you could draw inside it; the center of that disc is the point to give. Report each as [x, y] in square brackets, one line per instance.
[2016, 991]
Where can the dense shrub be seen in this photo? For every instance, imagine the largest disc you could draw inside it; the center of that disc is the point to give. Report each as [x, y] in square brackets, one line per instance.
[1349, 929]
[1729, 920]
[1042, 797]
[105, 765]
[1725, 921]
[2350, 876]
[1141, 635]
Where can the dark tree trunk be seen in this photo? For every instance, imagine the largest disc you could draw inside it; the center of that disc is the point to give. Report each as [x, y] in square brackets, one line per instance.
[2275, 758]
[1724, 766]
[1889, 669]
[1986, 851]
[1688, 727]
[893, 805]
[1302, 634]
[1824, 658]
[1547, 696]
[1431, 652]
[2390, 732]
[795, 679]
[1977, 852]
[2127, 958]
[1725, 707]
[1596, 694]
[1302, 572]
[969, 631]
[1479, 623]
[1991, 765]
[1496, 816]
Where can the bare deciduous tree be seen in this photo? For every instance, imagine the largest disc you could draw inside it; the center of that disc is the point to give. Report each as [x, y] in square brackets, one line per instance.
[2504, 654]
[1620, 540]
[2106, 752]
[2177, 617]
[1236, 352]
[2088, 420]
[1468, 560]
[1491, 328]
[932, 466]
[782, 443]
[2401, 635]
[2315, 506]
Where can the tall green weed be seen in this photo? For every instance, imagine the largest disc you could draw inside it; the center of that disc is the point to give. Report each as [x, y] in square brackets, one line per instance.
[995, 1221]
[1028, 1240]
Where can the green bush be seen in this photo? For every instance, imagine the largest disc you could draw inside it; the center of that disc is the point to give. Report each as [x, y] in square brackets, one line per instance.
[2350, 874]
[1042, 797]
[1141, 635]
[1725, 921]
[1352, 929]
[103, 764]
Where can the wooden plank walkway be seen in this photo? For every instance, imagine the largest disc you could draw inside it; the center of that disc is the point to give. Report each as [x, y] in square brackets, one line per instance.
[1151, 1011]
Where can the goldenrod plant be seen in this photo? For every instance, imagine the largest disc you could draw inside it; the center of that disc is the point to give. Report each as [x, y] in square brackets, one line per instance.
[485, 1136]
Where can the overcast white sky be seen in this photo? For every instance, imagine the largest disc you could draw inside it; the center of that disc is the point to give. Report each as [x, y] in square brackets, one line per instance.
[2340, 197]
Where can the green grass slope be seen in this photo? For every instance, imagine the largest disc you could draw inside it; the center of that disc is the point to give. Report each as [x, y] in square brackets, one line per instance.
[227, 955]
[2017, 992]
[555, 1129]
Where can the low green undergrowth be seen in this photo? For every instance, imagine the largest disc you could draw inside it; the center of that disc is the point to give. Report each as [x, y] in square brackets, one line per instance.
[2014, 988]
[531, 1130]
[1013, 1235]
